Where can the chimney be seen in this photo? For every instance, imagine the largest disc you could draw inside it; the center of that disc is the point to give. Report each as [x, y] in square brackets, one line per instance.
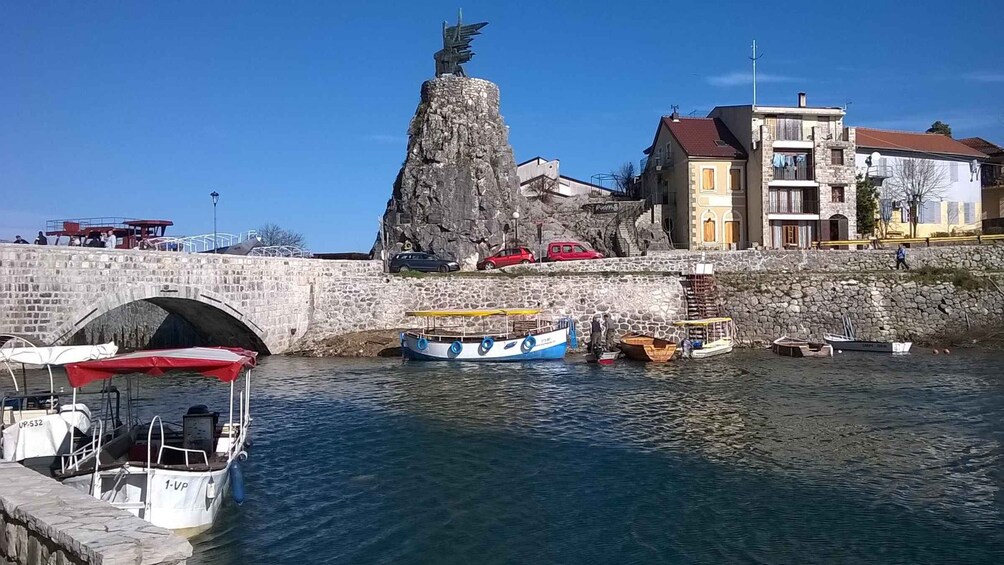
[801, 100]
[676, 115]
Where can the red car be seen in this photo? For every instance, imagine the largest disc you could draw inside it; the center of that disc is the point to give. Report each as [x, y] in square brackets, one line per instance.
[570, 251]
[506, 257]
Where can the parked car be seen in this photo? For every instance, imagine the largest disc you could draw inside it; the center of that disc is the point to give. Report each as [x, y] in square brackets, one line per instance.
[570, 251]
[506, 257]
[418, 261]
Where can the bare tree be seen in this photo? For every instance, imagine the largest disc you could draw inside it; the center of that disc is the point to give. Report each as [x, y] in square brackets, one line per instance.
[915, 181]
[624, 177]
[542, 188]
[271, 235]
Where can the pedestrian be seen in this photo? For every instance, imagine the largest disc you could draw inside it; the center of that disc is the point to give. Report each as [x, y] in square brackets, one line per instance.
[74, 241]
[19, 239]
[110, 240]
[94, 240]
[901, 257]
[41, 239]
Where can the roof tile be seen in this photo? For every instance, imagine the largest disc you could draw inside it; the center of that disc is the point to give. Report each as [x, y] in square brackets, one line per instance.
[698, 137]
[913, 141]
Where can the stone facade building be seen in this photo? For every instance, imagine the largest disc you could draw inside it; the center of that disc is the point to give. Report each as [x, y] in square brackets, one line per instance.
[800, 172]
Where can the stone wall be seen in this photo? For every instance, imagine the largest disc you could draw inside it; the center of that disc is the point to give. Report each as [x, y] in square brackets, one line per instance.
[646, 303]
[889, 306]
[45, 523]
[988, 257]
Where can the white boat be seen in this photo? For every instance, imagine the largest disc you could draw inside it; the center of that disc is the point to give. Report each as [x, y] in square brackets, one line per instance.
[503, 335]
[849, 342]
[38, 427]
[708, 337]
[845, 343]
[172, 476]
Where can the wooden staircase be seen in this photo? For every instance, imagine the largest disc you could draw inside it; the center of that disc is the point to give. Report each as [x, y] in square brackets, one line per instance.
[701, 293]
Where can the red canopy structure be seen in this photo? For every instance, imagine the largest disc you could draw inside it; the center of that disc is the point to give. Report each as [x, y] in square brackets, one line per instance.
[221, 362]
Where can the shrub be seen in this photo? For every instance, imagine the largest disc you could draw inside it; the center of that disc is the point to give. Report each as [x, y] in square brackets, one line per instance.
[961, 278]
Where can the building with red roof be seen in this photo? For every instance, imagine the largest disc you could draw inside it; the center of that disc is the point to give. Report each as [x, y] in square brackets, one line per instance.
[928, 183]
[694, 177]
[991, 182]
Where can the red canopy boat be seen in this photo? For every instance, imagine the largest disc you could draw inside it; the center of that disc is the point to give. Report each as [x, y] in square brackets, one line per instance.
[224, 363]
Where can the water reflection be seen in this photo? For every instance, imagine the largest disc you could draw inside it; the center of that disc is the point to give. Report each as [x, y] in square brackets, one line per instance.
[749, 457]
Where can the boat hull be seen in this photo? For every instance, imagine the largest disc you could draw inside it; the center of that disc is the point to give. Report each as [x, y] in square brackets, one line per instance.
[797, 348]
[546, 345]
[646, 348]
[845, 344]
[713, 349]
[179, 500]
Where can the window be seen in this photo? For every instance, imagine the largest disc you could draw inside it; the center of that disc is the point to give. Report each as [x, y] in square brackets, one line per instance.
[707, 178]
[709, 230]
[566, 249]
[954, 169]
[836, 156]
[735, 179]
[669, 154]
[790, 234]
[555, 249]
[836, 193]
[969, 209]
[953, 213]
[580, 249]
[732, 231]
[929, 213]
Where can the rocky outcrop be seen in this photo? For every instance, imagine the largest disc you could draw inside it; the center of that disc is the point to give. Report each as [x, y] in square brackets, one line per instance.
[458, 188]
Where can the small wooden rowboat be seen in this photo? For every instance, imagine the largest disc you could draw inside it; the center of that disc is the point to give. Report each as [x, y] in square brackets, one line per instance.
[792, 347]
[647, 348]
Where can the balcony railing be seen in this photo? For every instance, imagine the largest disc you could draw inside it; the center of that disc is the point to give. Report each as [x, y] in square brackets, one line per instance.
[793, 202]
[800, 171]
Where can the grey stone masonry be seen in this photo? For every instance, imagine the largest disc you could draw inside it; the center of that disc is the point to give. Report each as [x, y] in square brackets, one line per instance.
[830, 174]
[45, 523]
[988, 257]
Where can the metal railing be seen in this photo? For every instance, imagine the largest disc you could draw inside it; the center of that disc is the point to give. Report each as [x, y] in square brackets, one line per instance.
[927, 241]
[279, 251]
[788, 202]
[201, 243]
[84, 223]
[801, 171]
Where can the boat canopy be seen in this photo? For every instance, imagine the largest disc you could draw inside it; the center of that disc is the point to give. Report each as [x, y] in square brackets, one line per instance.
[224, 363]
[702, 322]
[472, 313]
[61, 355]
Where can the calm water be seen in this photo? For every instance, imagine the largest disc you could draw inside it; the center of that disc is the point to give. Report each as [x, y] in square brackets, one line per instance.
[750, 458]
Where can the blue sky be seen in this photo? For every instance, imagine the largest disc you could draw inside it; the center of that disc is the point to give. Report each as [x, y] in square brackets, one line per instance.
[297, 112]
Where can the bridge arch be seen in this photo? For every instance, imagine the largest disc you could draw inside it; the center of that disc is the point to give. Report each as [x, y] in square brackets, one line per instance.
[212, 317]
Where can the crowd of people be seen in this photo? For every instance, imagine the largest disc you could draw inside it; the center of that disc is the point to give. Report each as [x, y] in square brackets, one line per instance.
[106, 240]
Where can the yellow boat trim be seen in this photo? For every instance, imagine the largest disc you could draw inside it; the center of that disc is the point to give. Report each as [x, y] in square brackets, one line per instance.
[704, 322]
[472, 313]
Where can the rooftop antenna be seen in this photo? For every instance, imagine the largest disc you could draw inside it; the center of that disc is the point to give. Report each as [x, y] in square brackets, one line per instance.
[755, 57]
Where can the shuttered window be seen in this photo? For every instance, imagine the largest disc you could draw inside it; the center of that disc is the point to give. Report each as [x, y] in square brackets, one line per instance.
[836, 156]
[709, 230]
[732, 232]
[707, 179]
[735, 179]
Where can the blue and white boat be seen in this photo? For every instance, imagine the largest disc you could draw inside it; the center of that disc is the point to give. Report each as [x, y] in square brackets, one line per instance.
[487, 335]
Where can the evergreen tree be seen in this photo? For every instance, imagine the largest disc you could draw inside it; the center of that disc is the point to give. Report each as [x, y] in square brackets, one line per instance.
[867, 204]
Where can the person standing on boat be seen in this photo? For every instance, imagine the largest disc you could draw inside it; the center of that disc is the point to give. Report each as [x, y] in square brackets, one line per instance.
[596, 336]
[608, 333]
[110, 240]
[41, 239]
[901, 257]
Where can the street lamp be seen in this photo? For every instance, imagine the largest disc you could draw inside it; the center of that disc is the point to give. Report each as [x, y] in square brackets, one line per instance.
[216, 198]
[515, 221]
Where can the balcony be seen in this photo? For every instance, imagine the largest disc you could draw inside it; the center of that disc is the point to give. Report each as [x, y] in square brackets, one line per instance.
[800, 171]
[793, 202]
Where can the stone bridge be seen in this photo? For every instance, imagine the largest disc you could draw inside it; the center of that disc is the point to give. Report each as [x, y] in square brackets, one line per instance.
[50, 293]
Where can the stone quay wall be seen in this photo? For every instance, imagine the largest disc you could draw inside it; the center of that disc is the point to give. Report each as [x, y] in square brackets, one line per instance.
[43, 522]
[988, 257]
[646, 303]
[882, 306]
[289, 304]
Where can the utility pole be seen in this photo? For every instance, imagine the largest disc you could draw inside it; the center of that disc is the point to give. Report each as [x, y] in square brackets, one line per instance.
[754, 58]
